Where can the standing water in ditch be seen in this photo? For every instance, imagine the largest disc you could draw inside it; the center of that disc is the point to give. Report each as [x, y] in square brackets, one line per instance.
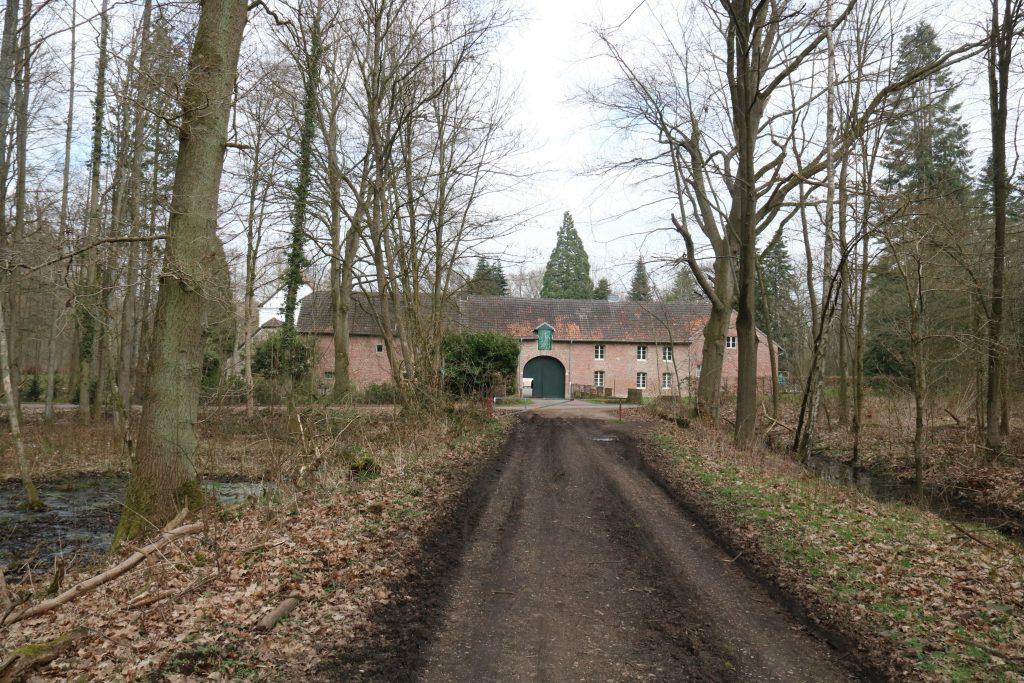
[79, 520]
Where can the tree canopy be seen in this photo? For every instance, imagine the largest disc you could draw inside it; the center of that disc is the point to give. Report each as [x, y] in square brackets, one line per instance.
[640, 287]
[488, 278]
[568, 271]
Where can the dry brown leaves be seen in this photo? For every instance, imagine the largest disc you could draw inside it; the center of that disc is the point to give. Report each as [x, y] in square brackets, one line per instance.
[338, 545]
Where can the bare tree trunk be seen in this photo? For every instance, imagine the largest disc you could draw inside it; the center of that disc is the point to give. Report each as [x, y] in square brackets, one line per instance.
[1000, 54]
[770, 334]
[126, 360]
[51, 365]
[32, 499]
[857, 424]
[164, 470]
[843, 331]
[89, 309]
[20, 194]
[919, 388]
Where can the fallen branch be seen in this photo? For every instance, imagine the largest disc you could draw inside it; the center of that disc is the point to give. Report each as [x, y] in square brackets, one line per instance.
[955, 418]
[278, 613]
[25, 658]
[124, 566]
[969, 535]
[5, 592]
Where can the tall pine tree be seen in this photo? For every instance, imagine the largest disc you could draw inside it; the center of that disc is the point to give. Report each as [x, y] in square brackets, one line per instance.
[684, 287]
[488, 279]
[927, 183]
[568, 272]
[640, 287]
[926, 144]
[781, 318]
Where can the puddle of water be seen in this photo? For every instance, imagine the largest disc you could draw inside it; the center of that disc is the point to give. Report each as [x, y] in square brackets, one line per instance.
[80, 517]
[884, 488]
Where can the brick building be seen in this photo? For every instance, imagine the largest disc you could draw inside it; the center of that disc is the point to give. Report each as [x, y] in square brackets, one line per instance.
[564, 343]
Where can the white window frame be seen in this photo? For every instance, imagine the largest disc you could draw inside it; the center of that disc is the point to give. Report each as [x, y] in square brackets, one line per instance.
[599, 379]
[731, 341]
[666, 353]
[641, 380]
[598, 351]
[666, 380]
[380, 348]
[641, 352]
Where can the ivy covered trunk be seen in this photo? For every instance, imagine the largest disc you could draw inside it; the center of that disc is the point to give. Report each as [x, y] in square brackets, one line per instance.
[163, 476]
[709, 383]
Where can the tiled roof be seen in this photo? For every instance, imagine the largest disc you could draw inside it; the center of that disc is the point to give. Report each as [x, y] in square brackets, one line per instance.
[573, 319]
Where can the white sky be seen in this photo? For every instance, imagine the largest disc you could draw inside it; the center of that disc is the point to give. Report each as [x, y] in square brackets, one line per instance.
[551, 54]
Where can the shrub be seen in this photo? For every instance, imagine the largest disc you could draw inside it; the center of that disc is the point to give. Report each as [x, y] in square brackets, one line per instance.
[474, 363]
[269, 358]
[32, 389]
[378, 394]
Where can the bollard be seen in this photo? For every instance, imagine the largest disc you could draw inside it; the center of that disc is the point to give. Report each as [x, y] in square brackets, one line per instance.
[620, 409]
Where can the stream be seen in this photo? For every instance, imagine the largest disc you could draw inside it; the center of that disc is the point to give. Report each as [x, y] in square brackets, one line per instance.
[878, 485]
[79, 520]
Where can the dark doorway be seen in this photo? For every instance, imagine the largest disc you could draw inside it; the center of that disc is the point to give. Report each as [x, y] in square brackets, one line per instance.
[548, 377]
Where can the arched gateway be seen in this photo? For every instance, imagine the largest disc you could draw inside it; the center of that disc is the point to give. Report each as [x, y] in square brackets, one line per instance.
[548, 376]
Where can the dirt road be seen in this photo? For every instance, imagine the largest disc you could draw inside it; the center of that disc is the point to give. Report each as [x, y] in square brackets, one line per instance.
[581, 568]
[567, 562]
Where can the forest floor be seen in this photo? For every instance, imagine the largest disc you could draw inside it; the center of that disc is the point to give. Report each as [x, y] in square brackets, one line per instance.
[918, 596]
[416, 547]
[961, 480]
[347, 504]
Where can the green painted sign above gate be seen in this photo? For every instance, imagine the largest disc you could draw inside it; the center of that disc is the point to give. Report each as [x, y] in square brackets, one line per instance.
[545, 333]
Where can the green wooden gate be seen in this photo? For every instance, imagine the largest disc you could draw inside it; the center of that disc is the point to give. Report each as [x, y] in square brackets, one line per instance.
[548, 377]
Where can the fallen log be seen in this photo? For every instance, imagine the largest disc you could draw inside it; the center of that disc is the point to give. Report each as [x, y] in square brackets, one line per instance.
[122, 567]
[278, 613]
[25, 658]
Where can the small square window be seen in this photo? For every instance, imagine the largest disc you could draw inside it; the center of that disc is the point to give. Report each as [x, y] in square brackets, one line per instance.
[599, 378]
[666, 380]
[598, 351]
[666, 353]
[641, 352]
[641, 380]
[328, 375]
[730, 342]
[380, 348]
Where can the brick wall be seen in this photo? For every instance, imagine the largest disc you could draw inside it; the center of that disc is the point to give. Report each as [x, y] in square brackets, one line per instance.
[367, 365]
[620, 363]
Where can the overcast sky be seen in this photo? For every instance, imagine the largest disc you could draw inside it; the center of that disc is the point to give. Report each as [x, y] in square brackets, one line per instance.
[550, 55]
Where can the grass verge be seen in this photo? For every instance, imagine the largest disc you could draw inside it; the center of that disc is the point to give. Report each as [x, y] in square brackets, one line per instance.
[920, 597]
